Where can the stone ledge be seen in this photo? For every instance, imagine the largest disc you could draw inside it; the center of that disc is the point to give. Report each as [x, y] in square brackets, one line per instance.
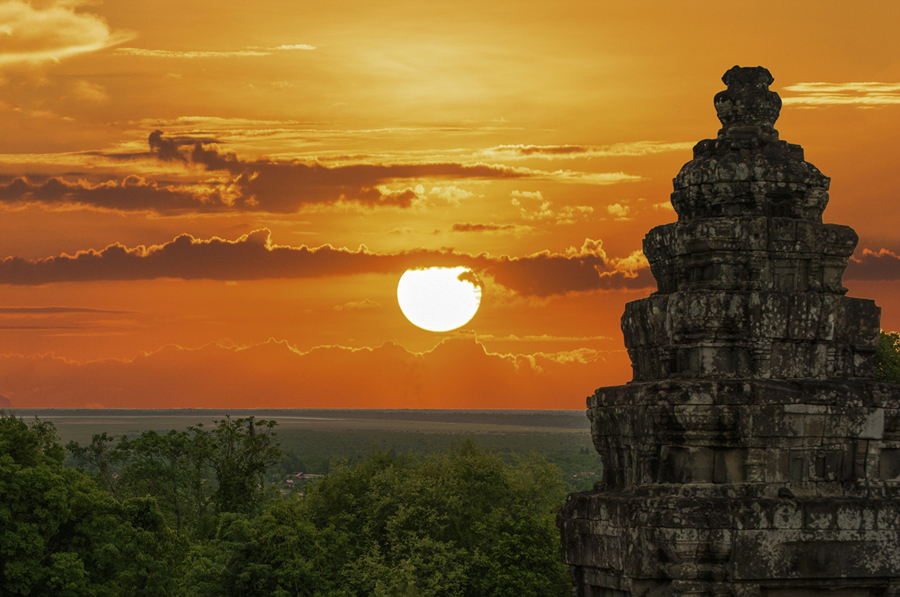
[810, 393]
[722, 539]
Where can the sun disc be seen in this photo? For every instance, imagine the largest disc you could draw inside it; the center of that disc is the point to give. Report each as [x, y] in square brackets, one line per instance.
[436, 299]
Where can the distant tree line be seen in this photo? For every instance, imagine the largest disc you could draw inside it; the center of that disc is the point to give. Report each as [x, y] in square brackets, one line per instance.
[314, 450]
[189, 513]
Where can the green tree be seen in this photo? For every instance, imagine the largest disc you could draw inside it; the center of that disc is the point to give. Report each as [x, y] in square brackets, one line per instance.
[104, 459]
[172, 468]
[277, 554]
[887, 357]
[239, 451]
[175, 467]
[461, 523]
[62, 535]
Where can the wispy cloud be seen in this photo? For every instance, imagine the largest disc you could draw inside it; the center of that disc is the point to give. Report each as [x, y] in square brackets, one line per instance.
[249, 51]
[533, 338]
[637, 148]
[571, 176]
[35, 35]
[283, 47]
[358, 305]
[861, 95]
[490, 227]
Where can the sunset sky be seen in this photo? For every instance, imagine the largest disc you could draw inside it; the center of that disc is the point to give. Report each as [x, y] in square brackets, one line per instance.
[211, 203]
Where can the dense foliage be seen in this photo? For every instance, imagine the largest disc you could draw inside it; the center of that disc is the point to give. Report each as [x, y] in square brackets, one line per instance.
[191, 474]
[187, 513]
[62, 535]
[314, 450]
[887, 357]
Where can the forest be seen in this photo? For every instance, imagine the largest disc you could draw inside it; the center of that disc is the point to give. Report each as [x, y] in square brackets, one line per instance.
[193, 513]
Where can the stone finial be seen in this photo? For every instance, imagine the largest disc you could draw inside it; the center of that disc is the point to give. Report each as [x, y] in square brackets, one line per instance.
[747, 106]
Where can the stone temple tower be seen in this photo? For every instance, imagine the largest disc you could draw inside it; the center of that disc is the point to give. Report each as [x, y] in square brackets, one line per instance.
[753, 454]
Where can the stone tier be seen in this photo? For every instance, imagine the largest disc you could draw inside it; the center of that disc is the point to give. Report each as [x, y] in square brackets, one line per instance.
[749, 176]
[763, 335]
[750, 253]
[699, 539]
[811, 437]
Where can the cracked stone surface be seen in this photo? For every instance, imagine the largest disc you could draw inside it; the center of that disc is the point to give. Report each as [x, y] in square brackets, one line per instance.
[753, 453]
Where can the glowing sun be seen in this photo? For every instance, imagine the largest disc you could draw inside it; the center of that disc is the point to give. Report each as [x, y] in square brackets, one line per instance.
[439, 299]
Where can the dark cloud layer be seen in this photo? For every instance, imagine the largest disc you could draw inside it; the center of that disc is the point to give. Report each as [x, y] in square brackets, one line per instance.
[251, 185]
[133, 193]
[281, 187]
[255, 257]
[54, 310]
[883, 265]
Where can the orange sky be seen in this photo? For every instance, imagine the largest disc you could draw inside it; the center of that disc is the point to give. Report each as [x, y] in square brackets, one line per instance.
[210, 204]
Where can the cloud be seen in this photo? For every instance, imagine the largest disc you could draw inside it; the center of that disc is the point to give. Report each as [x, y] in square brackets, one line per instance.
[197, 151]
[132, 193]
[268, 181]
[254, 257]
[53, 310]
[90, 92]
[491, 227]
[632, 264]
[861, 95]
[457, 373]
[527, 195]
[664, 206]
[595, 178]
[589, 248]
[357, 305]
[267, 185]
[568, 214]
[256, 186]
[618, 211]
[883, 265]
[582, 269]
[637, 148]
[282, 187]
[249, 51]
[35, 35]
[535, 338]
[451, 194]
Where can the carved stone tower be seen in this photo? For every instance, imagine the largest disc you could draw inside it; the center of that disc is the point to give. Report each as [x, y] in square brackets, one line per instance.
[753, 454]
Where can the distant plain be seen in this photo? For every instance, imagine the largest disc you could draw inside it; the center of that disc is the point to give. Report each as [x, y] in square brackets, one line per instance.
[81, 424]
[315, 440]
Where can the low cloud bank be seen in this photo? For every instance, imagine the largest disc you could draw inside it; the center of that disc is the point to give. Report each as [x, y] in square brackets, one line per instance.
[457, 373]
